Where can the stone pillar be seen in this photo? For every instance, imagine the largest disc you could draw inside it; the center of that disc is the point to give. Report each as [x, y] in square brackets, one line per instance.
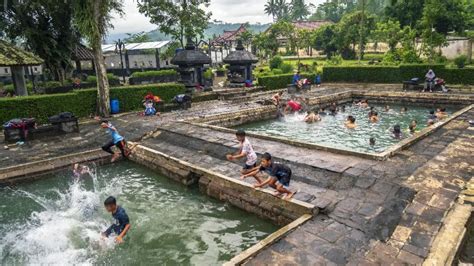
[18, 76]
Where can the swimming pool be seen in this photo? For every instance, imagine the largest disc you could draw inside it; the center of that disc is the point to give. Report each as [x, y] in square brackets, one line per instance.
[57, 221]
[331, 132]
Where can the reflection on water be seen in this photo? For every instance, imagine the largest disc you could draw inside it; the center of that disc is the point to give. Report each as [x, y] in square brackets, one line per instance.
[331, 131]
[57, 221]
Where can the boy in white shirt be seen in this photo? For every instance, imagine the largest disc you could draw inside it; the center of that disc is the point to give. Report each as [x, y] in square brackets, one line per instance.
[245, 150]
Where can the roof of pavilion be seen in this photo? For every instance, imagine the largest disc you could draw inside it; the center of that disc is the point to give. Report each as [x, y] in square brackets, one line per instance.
[11, 55]
[229, 35]
[82, 53]
[136, 46]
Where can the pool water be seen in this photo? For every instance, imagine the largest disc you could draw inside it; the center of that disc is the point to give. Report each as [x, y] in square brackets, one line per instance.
[331, 132]
[58, 221]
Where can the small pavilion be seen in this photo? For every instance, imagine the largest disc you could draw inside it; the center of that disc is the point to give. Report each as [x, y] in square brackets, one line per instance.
[17, 59]
[240, 65]
[191, 63]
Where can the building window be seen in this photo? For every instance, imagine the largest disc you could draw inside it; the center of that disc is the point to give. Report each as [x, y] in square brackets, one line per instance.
[150, 63]
[6, 70]
[35, 69]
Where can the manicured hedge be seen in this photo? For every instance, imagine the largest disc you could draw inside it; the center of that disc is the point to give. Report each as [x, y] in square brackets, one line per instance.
[385, 74]
[157, 73]
[82, 102]
[280, 81]
[395, 74]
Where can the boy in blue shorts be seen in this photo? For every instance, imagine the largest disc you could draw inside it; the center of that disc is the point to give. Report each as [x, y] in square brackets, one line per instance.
[122, 222]
[279, 176]
[117, 140]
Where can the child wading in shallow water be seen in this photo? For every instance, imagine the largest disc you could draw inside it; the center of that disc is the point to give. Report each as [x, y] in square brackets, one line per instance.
[245, 150]
[279, 176]
[122, 222]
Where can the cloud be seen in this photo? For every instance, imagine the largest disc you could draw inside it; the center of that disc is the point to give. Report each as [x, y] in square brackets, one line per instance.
[234, 11]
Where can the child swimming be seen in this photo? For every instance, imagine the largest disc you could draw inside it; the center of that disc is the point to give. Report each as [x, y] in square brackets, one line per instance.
[412, 127]
[80, 170]
[312, 117]
[350, 122]
[374, 118]
[122, 222]
[397, 132]
[279, 176]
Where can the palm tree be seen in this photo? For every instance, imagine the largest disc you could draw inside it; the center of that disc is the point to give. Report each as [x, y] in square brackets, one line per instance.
[92, 18]
[271, 9]
[282, 10]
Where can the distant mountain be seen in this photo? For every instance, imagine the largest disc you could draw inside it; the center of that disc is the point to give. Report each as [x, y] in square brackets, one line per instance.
[214, 29]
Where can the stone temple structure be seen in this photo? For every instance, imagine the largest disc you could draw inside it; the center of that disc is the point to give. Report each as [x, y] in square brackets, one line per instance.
[240, 65]
[191, 63]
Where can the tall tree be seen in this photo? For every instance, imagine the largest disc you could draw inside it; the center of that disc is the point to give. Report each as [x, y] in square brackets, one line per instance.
[334, 10]
[407, 12]
[45, 27]
[92, 18]
[441, 17]
[271, 9]
[299, 10]
[180, 18]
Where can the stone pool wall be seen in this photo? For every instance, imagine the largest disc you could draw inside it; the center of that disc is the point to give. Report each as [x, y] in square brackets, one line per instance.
[31, 171]
[236, 192]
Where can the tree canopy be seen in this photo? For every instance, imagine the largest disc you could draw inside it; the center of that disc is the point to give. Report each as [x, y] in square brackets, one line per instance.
[180, 19]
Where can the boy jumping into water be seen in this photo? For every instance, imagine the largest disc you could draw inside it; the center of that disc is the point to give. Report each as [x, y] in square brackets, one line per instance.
[245, 150]
[279, 176]
[117, 140]
[122, 222]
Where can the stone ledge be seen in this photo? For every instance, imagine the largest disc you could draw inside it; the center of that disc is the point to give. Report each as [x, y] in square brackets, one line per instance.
[30, 171]
[269, 240]
[450, 236]
[234, 191]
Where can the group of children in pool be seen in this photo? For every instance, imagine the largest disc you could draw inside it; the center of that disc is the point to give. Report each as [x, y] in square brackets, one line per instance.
[313, 116]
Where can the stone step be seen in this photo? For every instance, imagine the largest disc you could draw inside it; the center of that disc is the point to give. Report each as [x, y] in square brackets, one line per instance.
[306, 192]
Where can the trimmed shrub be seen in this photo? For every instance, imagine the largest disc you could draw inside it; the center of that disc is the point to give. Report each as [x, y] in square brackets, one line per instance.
[460, 61]
[393, 74]
[275, 62]
[154, 73]
[378, 74]
[276, 71]
[82, 102]
[280, 81]
[463, 76]
[286, 68]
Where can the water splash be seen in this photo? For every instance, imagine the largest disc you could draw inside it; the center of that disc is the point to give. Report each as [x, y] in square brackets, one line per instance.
[65, 231]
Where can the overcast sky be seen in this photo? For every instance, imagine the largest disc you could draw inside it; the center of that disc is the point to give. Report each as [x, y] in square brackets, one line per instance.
[236, 11]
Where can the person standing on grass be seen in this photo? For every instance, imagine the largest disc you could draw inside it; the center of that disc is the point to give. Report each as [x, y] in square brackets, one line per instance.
[245, 150]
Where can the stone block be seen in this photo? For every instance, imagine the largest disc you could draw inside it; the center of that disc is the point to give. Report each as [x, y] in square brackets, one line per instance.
[401, 233]
[365, 181]
[409, 258]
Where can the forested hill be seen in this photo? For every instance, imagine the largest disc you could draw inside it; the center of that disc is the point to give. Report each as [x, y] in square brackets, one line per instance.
[213, 29]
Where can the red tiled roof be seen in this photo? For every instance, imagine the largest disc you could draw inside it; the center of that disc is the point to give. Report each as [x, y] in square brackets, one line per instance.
[310, 25]
[230, 35]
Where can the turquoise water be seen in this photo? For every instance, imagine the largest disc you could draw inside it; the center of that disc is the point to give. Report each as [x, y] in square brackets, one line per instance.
[57, 221]
[331, 132]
